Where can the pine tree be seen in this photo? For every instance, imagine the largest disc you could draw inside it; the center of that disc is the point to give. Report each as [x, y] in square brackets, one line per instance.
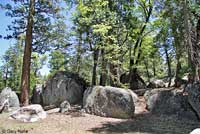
[32, 18]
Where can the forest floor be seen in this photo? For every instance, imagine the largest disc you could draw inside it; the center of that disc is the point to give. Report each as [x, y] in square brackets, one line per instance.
[76, 123]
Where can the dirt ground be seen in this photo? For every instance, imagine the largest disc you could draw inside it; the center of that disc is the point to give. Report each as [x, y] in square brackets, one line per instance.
[76, 123]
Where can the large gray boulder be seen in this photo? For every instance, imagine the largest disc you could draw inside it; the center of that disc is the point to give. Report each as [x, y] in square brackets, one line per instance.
[11, 96]
[109, 102]
[31, 113]
[169, 101]
[163, 101]
[62, 86]
[193, 93]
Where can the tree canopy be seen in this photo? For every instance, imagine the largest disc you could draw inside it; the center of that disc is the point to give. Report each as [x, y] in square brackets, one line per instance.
[108, 42]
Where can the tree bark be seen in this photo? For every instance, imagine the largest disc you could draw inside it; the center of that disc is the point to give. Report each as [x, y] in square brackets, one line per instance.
[6, 77]
[168, 65]
[198, 47]
[177, 45]
[134, 60]
[154, 68]
[95, 63]
[103, 76]
[114, 75]
[187, 26]
[79, 53]
[133, 81]
[147, 68]
[178, 63]
[198, 31]
[25, 80]
[178, 68]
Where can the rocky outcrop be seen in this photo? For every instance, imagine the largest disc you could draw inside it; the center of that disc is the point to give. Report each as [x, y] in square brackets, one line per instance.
[62, 86]
[31, 113]
[109, 102]
[8, 100]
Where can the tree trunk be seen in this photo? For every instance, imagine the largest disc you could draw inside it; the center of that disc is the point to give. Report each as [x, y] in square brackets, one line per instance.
[147, 68]
[198, 31]
[25, 81]
[168, 65]
[134, 58]
[198, 45]
[79, 53]
[189, 39]
[178, 68]
[95, 63]
[133, 79]
[154, 68]
[6, 77]
[178, 55]
[177, 45]
[103, 76]
[114, 75]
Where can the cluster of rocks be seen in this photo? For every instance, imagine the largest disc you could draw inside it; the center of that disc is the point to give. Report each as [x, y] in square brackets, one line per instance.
[69, 93]
[64, 90]
[161, 83]
[9, 102]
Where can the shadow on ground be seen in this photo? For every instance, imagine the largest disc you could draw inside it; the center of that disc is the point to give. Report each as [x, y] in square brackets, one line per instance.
[148, 124]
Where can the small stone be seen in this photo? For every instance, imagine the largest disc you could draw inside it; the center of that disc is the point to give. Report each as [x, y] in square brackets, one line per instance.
[65, 107]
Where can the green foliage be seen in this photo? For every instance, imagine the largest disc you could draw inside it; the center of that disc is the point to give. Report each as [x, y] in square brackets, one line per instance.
[12, 65]
[11, 68]
[57, 61]
[123, 34]
[48, 27]
[37, 63]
